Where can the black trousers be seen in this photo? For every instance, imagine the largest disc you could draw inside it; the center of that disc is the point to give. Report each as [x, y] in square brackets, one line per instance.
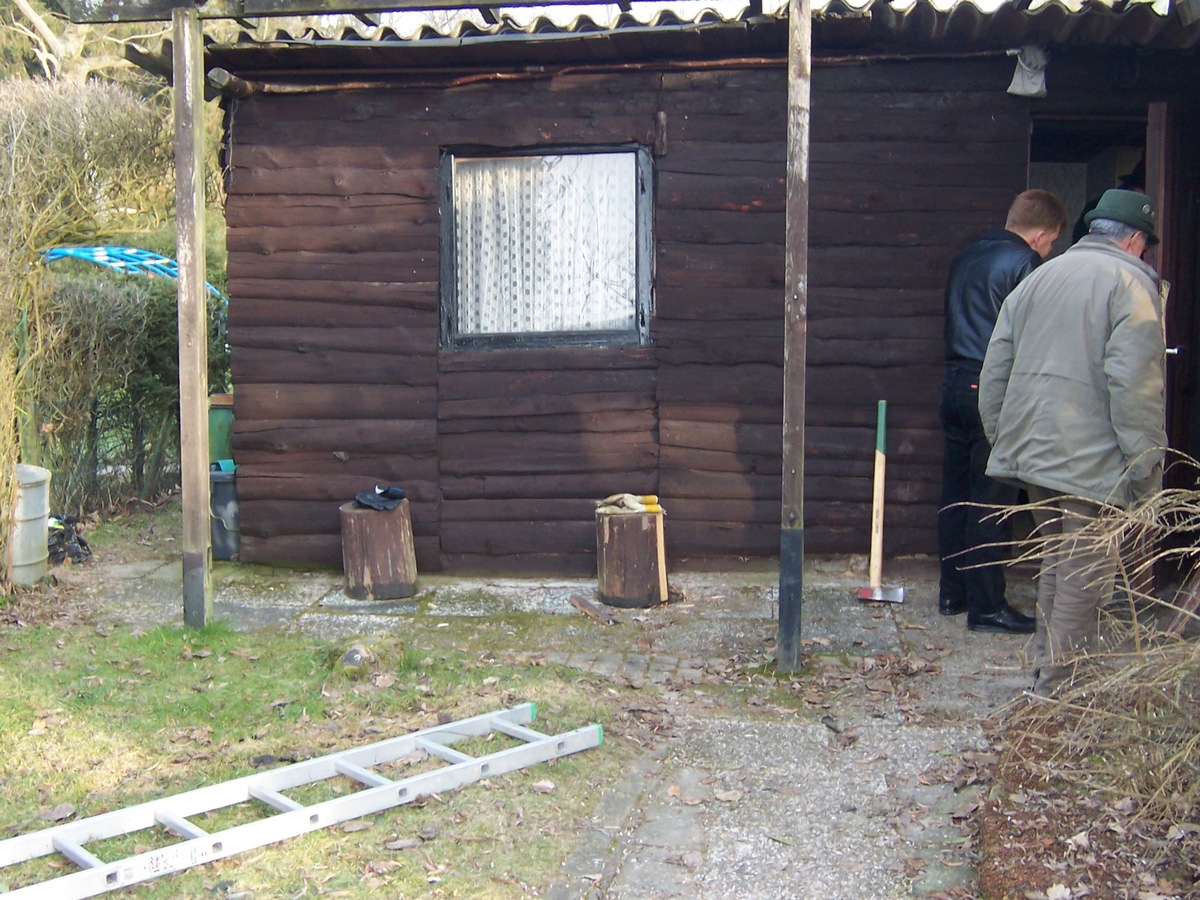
[965, 531]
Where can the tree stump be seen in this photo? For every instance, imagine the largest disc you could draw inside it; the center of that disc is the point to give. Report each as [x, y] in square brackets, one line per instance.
[377, 552]
[631, 565]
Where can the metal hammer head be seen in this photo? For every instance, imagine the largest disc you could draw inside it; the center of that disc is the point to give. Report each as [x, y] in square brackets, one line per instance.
[882, 594]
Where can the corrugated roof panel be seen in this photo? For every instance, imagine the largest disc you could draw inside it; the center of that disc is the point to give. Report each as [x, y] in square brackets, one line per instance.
[966, 23]
[921, 24]
[1143, 26]
[568, 35]
[1102, 28]
[1009, 27]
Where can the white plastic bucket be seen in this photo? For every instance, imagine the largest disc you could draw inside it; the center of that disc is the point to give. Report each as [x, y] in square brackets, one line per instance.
[27, 542]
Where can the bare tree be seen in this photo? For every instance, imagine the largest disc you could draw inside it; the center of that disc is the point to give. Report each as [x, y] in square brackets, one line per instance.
[75, 53]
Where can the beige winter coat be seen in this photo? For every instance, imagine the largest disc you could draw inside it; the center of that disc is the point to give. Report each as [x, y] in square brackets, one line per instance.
[1071, 394]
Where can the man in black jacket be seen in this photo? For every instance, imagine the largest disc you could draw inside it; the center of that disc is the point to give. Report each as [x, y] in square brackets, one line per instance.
[971, 538]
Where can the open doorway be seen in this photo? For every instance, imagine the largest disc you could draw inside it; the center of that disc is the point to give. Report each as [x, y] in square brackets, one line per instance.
[1078, 159]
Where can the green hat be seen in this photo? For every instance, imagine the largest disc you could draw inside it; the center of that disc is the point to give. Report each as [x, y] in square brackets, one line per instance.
[1129, 207]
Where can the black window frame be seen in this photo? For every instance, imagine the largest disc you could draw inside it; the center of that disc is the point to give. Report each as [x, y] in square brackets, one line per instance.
[450, 339]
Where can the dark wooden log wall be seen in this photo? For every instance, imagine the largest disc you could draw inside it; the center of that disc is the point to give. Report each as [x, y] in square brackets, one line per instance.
[333, 238]
[909, 162]
[333, 264]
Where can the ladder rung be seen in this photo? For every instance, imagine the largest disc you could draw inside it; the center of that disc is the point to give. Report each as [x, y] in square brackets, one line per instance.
[76, 854]
[519, 731]
[441, 751]
[275, 799]
[361, 775]
[179, 825]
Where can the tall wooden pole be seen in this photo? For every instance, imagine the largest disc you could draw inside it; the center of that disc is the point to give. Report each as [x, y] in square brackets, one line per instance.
[795, 336]
[188, 63]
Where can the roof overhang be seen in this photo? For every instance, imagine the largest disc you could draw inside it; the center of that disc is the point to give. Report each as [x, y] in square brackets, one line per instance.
[471, 37]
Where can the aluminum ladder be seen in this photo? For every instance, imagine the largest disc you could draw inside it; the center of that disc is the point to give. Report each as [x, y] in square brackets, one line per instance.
[286, 817]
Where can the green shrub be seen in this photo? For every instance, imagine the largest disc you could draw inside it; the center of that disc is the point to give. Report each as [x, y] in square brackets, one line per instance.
[108, 399]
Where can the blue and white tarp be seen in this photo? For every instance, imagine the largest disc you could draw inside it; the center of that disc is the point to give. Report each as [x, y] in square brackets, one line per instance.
[130, 260]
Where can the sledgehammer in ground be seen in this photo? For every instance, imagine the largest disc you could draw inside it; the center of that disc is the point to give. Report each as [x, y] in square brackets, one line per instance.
[876, 590]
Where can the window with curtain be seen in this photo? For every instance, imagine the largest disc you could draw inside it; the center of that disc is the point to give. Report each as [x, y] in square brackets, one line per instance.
[546, 248]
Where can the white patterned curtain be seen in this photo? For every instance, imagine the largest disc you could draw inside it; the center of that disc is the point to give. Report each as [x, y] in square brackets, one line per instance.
[545, 243]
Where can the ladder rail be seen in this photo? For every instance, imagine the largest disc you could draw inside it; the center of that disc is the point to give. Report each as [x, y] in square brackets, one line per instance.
[230, 793]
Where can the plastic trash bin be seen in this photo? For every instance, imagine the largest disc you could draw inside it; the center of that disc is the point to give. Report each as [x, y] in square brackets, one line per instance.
[28, 551]
[226, 535]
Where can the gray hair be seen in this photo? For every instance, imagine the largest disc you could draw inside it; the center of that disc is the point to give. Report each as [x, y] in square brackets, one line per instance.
[1118, 231]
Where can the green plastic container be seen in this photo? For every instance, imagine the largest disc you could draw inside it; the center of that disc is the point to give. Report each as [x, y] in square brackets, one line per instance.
[220, 427]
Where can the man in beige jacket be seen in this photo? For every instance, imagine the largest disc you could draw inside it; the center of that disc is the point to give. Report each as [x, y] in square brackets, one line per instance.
[1072, 401]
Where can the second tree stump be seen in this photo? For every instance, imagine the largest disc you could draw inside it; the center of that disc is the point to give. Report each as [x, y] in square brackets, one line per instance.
[631, 565]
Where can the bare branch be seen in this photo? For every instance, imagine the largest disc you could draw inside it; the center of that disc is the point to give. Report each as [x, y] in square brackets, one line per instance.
[45, 36]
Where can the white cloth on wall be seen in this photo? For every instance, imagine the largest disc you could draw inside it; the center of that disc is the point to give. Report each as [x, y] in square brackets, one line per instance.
[1029, 80]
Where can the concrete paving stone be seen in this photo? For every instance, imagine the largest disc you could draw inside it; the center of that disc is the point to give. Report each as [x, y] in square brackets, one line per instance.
[590, 662]
[341, 627]
[337, 600]
[668, 830]
[634, 665]
[657, 666]
[133, 570]
[688, 675]
[608, 664]
[257, 617]
[649, 872]
[591, 868]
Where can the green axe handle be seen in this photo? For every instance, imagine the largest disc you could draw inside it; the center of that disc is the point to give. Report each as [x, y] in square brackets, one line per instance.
[876, 558]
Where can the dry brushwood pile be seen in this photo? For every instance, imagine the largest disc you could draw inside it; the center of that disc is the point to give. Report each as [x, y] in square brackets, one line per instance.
[1097, 792]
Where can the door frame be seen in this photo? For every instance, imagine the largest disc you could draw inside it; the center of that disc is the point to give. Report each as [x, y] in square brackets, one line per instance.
[1173, 184]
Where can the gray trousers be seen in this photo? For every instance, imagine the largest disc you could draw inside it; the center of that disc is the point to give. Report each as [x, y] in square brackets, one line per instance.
[1074, 581]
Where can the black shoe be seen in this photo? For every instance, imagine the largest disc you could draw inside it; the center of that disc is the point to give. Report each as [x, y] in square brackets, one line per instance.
[1005, 620]
[951, 607]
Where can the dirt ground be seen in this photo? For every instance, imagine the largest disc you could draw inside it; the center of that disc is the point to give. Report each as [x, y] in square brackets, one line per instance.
[895, 688]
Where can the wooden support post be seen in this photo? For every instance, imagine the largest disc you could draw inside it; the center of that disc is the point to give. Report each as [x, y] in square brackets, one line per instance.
[377, 552]
[631, 565]
[188, 63]
[795, 331]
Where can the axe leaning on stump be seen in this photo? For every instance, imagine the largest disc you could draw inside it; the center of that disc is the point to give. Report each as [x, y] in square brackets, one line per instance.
[876, 590]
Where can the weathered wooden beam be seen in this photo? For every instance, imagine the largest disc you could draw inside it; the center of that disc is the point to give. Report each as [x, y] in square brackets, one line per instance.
[193, 317]
[791, 539]
[230, 84]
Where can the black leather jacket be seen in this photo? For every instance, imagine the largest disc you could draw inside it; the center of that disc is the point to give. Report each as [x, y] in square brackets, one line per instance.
[981, 276]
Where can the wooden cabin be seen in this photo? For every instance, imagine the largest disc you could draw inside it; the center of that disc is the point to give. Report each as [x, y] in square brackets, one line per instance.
[516, 269]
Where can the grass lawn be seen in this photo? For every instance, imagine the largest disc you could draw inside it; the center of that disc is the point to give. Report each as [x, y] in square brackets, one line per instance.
[95, 719]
